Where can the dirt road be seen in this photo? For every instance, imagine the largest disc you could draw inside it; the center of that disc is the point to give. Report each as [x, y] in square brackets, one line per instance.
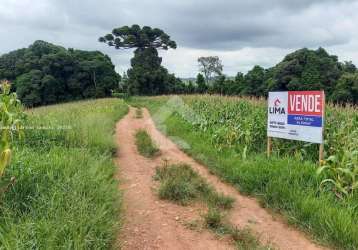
[150, 223]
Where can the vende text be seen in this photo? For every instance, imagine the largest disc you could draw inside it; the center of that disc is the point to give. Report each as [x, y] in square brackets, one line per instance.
[305, 102]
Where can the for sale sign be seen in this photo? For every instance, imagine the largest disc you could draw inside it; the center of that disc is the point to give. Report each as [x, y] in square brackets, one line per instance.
[296, 115]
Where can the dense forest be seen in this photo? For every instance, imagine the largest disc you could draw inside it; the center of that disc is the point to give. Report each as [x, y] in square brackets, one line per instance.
[45, 73]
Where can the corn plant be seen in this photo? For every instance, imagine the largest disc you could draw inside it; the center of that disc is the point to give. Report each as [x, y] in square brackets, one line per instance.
[341, 171]
[240, 123]
[11, 120]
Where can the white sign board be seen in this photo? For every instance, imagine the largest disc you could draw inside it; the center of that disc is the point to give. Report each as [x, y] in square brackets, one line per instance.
[296, 115]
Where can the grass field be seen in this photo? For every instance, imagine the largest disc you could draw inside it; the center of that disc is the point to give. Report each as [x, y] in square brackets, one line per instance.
[228, 135]
[65, 195]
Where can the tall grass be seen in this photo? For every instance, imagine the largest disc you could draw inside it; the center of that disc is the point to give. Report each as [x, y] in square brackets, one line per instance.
[65, 196]
[229, 137]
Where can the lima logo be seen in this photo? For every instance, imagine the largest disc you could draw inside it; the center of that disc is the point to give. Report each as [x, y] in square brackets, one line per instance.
[276, 109]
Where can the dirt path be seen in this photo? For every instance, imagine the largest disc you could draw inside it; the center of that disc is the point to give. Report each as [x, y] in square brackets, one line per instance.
[154, 224]
[150, 223]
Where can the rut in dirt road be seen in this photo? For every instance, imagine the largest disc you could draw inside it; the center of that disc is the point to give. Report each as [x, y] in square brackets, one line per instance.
[154, 224]
[150, 223]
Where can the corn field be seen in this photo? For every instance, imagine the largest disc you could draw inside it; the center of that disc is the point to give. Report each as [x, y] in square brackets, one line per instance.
[240, 124]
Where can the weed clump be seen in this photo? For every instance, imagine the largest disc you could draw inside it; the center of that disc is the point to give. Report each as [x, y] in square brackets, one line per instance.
[213, 219]
[242, 238]
[220, 200]
[181, 184]
[145, 145]
[245, 240]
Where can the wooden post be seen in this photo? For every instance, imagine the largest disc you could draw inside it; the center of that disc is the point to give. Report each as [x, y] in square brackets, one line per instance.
[321, 153]
[321, 146]
[269, 146]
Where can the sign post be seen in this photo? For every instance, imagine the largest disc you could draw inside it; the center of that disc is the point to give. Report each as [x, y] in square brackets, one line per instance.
[321, 153]
[296, 115]
[269, 146]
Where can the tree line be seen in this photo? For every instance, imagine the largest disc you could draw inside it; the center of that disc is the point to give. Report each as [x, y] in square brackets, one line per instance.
[303, 69]
[45, 73]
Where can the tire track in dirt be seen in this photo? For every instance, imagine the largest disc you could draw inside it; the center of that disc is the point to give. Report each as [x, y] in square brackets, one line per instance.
[150, 223]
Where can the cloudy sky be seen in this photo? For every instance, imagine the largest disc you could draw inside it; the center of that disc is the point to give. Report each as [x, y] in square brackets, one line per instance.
[241, 32]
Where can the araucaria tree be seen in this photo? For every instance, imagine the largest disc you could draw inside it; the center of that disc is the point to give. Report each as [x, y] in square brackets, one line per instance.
[146, 76]
[210, 66]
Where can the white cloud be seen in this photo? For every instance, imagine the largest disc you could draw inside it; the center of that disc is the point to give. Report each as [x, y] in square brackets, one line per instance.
[242, 33]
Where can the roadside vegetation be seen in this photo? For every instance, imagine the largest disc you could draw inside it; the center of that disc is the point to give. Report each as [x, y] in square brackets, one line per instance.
[145, 144]
[65, 195]
[12, 117]
[229, 136]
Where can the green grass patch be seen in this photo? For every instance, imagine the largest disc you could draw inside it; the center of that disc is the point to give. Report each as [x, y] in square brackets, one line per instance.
[286, 183]
[181, 184]
[145, 144]
[214, 219]
[65, 195]
[243, 239]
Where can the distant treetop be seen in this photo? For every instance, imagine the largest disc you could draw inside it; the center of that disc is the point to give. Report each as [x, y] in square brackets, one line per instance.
[146, 76]
[136, 37]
